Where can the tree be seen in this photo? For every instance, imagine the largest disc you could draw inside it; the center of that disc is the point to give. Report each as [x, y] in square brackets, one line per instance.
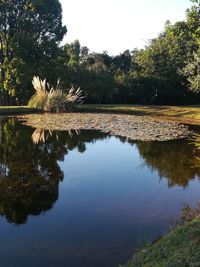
[30, 31]
[73, 50]
[193, 20]
[122, 62]
[192, 71]
[163, 59]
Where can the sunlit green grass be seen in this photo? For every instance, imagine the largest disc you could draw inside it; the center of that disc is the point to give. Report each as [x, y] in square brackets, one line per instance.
[189, 114]
[181, 247]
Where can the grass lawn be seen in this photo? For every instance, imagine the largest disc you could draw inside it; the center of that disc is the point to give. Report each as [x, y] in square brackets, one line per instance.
[188, 114]
[181, 247]
[15, 110]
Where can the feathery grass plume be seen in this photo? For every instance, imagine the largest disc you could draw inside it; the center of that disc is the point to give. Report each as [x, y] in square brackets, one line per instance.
[52, 99]
[38, 100]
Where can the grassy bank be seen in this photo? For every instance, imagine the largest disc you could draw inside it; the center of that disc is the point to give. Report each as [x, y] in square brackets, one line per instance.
[187, 114]
[181, 247]
[7, 110]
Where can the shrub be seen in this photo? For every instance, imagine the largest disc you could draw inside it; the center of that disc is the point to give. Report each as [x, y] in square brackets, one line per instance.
[52, 99]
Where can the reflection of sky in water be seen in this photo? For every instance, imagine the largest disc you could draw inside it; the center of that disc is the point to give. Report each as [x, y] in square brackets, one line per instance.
[109, 203]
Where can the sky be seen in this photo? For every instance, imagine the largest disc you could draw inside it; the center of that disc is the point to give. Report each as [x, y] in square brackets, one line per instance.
[117, 25]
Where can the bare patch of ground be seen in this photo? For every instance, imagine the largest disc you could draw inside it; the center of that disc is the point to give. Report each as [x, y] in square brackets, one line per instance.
[144, 128]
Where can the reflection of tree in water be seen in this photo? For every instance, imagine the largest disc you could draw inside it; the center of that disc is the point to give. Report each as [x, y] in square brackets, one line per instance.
[29, 172]
[175, 160]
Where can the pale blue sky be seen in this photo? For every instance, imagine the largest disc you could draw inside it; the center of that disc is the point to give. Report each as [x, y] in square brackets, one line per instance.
[117, 25]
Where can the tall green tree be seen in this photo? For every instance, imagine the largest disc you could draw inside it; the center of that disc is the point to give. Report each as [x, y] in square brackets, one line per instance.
[73, 50]
[30, 31]
[192, 71]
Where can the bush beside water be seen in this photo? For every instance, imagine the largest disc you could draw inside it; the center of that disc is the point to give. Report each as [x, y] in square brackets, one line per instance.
[52, 99]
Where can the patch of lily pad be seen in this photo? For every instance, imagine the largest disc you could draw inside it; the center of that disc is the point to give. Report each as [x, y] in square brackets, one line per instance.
[143, 128]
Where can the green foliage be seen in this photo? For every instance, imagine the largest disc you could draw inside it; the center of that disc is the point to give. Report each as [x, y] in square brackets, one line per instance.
[192, 71]
[37, 101]
[166, 71]
[153, 75]
[30, 32]
[73, 50]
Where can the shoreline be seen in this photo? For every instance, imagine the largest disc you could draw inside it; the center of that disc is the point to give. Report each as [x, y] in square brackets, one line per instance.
[180, 247]
[181, 114]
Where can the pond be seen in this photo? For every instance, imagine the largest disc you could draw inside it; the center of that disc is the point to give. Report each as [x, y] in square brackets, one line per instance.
[85, 198]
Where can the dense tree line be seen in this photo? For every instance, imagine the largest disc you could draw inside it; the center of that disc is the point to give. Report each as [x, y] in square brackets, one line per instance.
[166, 71]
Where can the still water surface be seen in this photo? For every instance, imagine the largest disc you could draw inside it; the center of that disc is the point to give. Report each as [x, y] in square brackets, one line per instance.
[87, 199]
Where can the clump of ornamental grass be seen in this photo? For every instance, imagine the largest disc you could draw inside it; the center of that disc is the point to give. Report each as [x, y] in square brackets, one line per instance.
[52, 99]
